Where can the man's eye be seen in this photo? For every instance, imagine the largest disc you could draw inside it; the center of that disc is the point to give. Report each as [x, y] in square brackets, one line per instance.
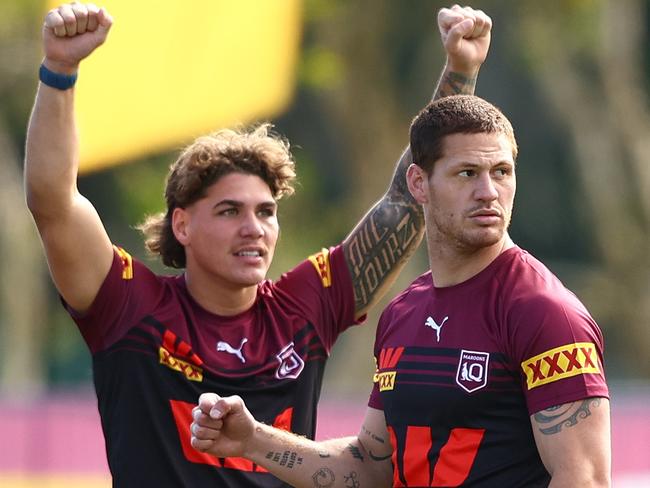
[228, 211]
[467, 173]
[267, 212]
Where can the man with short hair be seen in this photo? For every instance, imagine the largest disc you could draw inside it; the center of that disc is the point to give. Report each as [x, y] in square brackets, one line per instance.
[489, 371]
[157, 342]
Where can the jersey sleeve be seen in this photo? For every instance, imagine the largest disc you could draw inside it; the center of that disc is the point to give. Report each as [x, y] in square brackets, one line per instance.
[320, 289]
[375, 400]
[559, 349]
[127, 294]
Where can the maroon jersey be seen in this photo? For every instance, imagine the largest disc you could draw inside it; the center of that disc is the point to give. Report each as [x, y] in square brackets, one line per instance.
[461, 369]
[155, 350]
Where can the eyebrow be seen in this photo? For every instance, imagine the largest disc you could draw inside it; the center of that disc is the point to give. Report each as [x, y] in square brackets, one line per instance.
[238, 204]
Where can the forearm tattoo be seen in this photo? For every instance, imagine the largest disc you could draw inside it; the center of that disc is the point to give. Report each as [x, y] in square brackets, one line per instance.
[454, 84]
[378, 439]
[355, 451]
[287, 459]
[323, 478]
[555, 418]
[382, 243]
[351, 480]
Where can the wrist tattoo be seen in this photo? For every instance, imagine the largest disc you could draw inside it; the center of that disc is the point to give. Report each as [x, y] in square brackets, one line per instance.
[555, 418]
[455, 84]
[286, 458]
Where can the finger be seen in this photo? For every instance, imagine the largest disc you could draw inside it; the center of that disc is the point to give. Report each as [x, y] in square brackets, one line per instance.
[105, 19]
[201, 445]
[458, 32]
[54, 22]
[93, 11]
[205, 420]
[81, 15]
[486, 24]
[447, 18]
[69, 20]
[204, 433]
[207, 401]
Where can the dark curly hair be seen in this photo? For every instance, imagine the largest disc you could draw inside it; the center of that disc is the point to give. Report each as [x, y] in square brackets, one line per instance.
[257, 151]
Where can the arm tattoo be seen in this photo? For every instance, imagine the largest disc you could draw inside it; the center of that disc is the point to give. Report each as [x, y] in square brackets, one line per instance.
[372, 435]
[370, 454]
[352, 480]
[286, 458]
[566, 415]
[384, 240]
[454, 84]
[323, 478]
[355, 451]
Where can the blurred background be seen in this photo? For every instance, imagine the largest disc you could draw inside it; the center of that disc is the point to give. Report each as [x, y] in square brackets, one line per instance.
[341, 80]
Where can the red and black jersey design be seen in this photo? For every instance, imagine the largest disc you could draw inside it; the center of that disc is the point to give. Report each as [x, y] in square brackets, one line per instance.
[155, 351]
[461, 369]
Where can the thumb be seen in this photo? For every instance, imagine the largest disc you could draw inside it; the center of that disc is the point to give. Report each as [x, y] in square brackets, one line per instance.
[457, 32]
[105, 21]
[225, 406]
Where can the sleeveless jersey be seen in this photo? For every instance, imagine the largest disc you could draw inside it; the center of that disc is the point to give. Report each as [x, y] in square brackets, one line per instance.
[155, 350]
[460, 370]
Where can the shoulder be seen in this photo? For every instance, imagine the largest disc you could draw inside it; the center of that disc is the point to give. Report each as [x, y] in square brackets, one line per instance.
[411, 297]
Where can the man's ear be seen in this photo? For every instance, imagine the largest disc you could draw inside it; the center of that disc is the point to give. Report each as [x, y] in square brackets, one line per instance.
[418, 183]
[180, 223]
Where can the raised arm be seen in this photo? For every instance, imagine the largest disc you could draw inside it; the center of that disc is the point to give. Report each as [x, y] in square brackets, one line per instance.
[387, 236]
[78, 250]
[223, 427]
[574, 442]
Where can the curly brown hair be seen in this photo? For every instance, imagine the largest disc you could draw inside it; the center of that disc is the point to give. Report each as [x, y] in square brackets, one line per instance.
[258, 151]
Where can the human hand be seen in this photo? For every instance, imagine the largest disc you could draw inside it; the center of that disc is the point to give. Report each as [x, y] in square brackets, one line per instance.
[222, 426]
[71, 32]
[465, 35]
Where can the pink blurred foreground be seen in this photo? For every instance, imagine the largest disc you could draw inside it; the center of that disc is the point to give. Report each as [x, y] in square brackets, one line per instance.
[58, 437]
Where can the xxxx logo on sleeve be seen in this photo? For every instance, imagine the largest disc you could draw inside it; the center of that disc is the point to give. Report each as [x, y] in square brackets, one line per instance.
[561, 362]
[388, 359]
[321, 262]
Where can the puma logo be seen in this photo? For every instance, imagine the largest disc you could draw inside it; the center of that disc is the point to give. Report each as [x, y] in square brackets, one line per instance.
[225, 347]
[437, 327]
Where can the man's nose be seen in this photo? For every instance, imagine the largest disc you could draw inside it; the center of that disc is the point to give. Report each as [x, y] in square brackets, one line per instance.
[486, 189]
[252, 226]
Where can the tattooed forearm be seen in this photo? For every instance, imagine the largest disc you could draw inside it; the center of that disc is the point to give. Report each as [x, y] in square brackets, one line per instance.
[377, 248]
[553, 419]
[453, 83]
[286, 458]
[323, 478]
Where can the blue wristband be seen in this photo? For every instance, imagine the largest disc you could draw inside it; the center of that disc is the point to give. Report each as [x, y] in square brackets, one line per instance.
[56, 80]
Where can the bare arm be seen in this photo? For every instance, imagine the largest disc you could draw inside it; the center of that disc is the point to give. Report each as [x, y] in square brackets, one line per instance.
[78, 250]
[362, 461]
[382, 242]
[574, 442]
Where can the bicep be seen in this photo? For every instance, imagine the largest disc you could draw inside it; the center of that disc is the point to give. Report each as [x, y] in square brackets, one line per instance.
[573, 440]
[79, 252]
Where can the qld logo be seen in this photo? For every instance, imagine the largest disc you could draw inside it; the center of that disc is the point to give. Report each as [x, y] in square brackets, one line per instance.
[291, 364]
[472, 371]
